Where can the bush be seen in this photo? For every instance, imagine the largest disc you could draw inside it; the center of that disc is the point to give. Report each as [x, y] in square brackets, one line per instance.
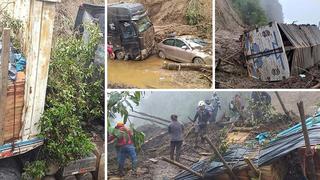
[250, 12]
[74, 95]
[193, 15]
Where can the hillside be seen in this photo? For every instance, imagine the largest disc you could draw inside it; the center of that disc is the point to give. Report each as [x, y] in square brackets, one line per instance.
[170, 16]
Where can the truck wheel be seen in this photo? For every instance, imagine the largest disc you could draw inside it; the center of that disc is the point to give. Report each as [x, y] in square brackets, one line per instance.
[162, 55]
[120, 55]
[85, 176]
[9, 169]
[72, 177]
[198, 60]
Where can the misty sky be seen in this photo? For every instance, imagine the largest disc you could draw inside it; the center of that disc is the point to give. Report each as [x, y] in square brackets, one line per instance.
[303, 11]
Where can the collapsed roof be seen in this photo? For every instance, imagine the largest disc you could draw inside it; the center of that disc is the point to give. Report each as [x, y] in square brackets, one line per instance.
[276, 51]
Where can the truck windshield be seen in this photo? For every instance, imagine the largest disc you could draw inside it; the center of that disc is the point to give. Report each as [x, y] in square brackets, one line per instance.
[143, 24]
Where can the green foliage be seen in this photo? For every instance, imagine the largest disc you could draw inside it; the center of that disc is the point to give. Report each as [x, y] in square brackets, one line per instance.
[34, 170]
[74, 94]
[138, 138]
[262, 113]
[15, 25]
[250, 12]
[119, 102]
[221, 142]
[193, 15]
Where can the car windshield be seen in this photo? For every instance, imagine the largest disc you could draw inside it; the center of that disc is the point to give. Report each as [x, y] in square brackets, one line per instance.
[196, 42]
[143, 24]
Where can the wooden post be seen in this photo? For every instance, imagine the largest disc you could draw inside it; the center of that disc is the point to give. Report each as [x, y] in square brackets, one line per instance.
[312, 171]
[282, 105]
[182, 167]
[5, 55]
[232, 175]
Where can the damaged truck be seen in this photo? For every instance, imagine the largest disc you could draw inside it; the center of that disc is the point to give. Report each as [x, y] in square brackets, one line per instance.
[130, 31]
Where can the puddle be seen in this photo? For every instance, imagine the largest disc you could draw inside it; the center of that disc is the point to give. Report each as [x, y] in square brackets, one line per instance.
[140, 74]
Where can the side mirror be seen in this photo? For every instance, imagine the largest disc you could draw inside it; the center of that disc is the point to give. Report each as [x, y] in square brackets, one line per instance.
[184, 47]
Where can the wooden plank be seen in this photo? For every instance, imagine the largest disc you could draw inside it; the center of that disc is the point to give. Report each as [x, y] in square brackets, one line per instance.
[4, 78]
[32, 66]
[46, 33]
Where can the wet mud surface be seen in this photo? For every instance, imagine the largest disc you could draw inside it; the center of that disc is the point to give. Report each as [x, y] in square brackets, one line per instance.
[148, 73]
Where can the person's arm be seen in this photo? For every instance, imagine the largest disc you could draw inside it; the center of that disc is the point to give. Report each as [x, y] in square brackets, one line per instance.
[169, 129]
[195, 117]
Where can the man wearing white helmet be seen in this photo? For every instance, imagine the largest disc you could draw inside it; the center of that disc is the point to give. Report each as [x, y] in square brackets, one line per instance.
[203, 116]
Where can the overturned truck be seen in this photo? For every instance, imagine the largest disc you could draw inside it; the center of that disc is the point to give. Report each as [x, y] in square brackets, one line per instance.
[276, 51]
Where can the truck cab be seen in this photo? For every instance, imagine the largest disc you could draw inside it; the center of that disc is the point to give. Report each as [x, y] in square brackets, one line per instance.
[130, 31]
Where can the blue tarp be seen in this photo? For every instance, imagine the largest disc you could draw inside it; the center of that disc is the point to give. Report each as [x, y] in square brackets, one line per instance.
[17, 62]
[310, 122]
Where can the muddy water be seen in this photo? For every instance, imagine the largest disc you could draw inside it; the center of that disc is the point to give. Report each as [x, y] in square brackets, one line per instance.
[139, 74]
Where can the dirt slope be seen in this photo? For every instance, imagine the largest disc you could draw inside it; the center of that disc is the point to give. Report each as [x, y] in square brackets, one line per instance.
[66, 15]
[226, 17]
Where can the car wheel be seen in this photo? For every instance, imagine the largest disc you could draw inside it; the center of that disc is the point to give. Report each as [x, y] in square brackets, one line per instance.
[120, 55]
[198, 60]
[162, 55]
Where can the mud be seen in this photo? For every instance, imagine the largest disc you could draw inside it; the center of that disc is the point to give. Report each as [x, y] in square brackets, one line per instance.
[149, 74]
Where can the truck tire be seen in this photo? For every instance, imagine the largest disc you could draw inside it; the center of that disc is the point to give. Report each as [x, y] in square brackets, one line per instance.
[84, 176]
[9, 169]
[120, 55]
[72, 177]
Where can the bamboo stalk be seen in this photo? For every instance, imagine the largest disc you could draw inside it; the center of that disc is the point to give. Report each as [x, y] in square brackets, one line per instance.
[182, 167]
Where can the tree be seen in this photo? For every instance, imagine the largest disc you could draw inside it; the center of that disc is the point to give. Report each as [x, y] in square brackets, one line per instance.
[119, 103]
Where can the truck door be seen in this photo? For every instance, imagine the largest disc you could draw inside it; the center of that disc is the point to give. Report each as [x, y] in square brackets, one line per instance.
[265, 54]
[129, 39]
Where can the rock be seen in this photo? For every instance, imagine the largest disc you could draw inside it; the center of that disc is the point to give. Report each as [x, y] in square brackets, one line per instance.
[52, 169]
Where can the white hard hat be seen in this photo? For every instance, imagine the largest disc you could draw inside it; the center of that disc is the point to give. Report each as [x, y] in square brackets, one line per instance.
[201, 103]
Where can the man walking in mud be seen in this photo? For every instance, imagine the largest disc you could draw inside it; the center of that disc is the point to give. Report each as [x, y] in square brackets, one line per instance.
[122, 136]
[203, 116]
[176, 134]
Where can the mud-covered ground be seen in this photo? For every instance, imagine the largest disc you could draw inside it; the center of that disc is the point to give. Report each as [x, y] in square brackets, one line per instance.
[233, 73]
[150, 74]
[168, 17]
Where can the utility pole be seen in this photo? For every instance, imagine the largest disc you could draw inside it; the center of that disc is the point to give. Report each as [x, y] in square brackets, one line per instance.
[311, 171]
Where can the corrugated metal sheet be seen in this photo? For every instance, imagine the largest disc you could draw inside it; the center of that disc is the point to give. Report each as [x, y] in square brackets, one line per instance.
[265, 54]
[305, 40]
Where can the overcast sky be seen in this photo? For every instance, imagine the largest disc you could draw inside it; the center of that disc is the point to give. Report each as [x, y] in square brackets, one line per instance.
[303, 11]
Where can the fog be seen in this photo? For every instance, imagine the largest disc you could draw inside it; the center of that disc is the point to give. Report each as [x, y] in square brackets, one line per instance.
[183, 104]
[273, 10]
[302, 12]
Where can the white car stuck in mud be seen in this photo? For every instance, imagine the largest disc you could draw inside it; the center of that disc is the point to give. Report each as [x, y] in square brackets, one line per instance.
[186, 49]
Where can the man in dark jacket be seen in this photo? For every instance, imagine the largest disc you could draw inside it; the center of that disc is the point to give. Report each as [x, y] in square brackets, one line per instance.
[176, 133]
[122, 136]
[203, 116]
